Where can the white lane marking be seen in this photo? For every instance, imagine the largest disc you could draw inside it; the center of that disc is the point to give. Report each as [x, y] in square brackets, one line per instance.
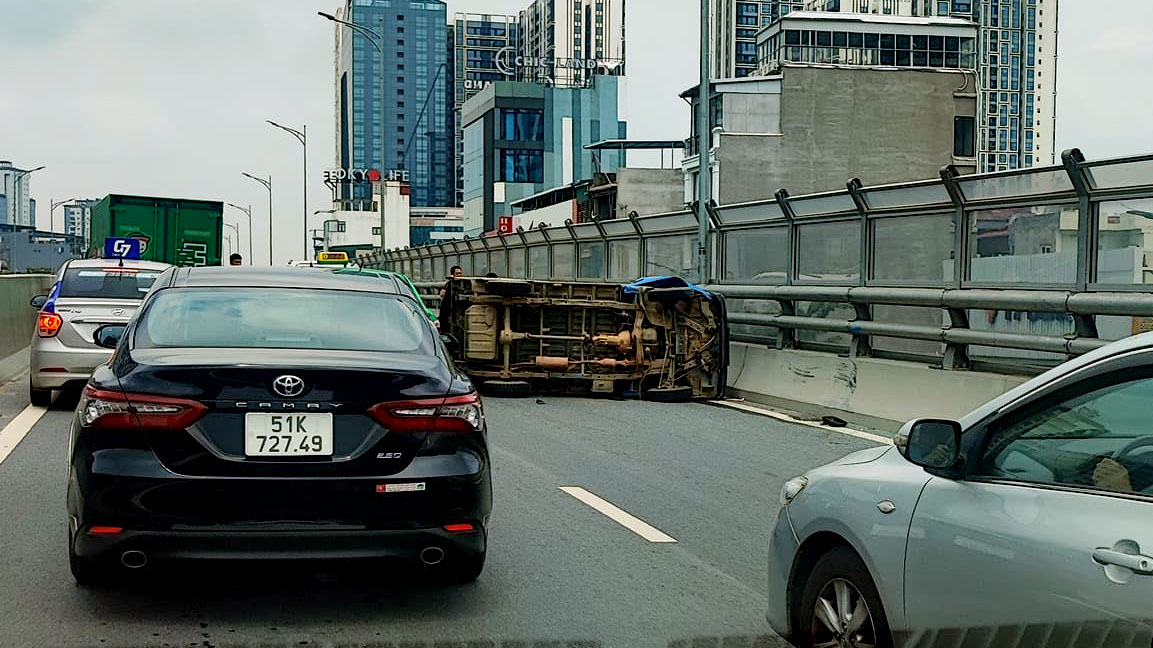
[14, 432]
[618, 515]
[744, 407]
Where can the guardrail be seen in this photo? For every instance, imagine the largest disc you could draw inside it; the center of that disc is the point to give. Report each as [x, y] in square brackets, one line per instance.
[1059, 258]
[955, 334]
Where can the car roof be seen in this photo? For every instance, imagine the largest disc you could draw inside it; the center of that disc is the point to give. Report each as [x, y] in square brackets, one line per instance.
[127, 263]
[250, 277]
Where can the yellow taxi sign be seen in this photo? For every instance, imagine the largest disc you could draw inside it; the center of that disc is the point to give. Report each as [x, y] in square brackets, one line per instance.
[332, 257]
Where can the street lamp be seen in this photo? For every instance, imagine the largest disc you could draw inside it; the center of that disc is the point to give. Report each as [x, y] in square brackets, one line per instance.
[52, 213]
[237, 231]
[302, 137]
[377, 40]
[248, 212]
[267, 185]
[16, 198]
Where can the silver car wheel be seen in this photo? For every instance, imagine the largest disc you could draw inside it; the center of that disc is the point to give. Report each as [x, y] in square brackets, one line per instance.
[841, 618]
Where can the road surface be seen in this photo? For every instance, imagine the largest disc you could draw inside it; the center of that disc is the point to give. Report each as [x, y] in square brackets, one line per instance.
[594, 564]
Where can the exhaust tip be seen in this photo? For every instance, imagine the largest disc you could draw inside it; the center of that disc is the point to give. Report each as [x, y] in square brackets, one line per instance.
[133, 559]
[432, 555]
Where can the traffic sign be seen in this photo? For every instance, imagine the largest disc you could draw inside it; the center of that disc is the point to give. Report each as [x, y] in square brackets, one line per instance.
[121, 248]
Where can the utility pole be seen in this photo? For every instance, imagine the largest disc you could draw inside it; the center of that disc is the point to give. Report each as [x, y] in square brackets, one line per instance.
[704, 144]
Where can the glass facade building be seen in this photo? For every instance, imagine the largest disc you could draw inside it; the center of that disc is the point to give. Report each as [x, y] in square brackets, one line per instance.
[399, 116]
[477, 41]
[524, 138]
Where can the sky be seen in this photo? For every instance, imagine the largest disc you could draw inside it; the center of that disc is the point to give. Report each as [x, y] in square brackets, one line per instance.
[170, 97]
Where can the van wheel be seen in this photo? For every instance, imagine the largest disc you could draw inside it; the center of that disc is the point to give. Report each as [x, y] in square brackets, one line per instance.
[669, 394]
[840, 606]
[507, 388]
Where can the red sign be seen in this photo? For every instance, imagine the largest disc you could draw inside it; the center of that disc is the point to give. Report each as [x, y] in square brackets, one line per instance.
[504, 225]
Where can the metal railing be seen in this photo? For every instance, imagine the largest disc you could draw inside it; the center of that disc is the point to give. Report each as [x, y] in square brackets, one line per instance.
[1024, 266]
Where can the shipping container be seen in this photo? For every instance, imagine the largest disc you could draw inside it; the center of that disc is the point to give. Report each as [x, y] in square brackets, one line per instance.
[173, 230]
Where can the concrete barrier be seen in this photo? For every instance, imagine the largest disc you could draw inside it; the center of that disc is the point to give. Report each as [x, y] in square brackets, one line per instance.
[870, 391]
[18, 319]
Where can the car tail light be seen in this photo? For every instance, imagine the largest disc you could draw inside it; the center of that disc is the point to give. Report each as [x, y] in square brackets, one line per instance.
[103, 409]
[48, 324]
[463, 414]
[105, 530]
[464, 527]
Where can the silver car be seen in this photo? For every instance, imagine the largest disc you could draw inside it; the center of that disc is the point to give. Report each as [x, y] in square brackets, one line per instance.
[88, 294]
[1028, 523]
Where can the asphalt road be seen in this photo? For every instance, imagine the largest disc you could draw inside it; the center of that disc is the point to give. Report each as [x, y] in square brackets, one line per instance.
[559, 572]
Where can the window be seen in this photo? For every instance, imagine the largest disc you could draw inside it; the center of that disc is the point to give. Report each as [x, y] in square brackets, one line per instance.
[518, 165]
[964, 136]
[400, 42]
[376, 231]
[400, 30]
[522, 124]
[1079, 438]
[400, 104]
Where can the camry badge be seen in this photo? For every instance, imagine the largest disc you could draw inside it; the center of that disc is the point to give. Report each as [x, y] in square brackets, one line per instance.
[288, 386]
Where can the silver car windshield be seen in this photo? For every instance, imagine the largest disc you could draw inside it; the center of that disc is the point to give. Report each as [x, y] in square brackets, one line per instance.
[108, 283]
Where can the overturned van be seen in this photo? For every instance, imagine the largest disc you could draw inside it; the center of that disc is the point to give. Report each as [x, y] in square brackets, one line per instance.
[658, 338]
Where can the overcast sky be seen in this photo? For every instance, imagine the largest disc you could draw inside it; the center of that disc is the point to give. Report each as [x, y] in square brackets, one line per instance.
[169, 97]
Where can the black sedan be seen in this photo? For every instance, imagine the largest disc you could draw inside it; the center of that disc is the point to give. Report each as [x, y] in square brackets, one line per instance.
[277, 414]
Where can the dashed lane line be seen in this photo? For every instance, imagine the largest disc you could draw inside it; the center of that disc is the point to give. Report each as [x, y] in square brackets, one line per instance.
[17, 428]
[618, 515]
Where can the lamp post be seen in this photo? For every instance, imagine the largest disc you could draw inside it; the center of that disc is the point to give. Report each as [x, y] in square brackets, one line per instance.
[302, 137]
[267, 185]
[377, 40]
[248, 213]
[16, 198]
[52, 213]
[237, 231]
[704, 144]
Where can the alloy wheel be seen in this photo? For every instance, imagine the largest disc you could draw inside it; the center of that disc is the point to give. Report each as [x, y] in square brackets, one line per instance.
[841, 618]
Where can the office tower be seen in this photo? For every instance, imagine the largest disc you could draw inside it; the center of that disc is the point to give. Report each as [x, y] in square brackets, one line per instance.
[477, 42]
[565, 43]
[393, 111]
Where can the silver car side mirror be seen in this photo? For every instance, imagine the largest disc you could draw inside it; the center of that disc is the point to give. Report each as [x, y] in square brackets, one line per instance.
[931, 443]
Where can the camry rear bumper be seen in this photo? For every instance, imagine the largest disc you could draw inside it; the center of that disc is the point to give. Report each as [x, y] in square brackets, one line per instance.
[320, 543]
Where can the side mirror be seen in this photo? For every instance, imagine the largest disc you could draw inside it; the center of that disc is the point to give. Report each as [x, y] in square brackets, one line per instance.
[450, 343]
[38, 301]
[108, 336]
[930, 443]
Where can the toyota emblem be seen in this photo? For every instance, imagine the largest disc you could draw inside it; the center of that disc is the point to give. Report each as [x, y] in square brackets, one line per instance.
[288, 386]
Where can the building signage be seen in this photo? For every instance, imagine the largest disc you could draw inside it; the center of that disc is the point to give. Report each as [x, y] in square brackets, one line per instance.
[504, 225]
[365, 175]
[509, 62]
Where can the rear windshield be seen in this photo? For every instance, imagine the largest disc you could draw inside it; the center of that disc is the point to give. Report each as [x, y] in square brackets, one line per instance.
[110, 283]
[282, 318]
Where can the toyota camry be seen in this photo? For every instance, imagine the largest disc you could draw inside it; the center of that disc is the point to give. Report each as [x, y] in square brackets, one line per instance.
[277, 414]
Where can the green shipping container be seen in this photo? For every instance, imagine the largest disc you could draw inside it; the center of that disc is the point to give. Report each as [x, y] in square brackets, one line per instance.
[173, 230]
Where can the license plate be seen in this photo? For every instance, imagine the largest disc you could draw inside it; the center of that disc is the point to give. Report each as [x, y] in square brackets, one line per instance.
[288, 435]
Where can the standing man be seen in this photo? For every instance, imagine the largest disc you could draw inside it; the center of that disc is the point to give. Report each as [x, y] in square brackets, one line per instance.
[446, 295]
[235, 259]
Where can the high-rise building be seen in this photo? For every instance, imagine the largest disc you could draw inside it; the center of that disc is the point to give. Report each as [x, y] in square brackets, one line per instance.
[1017, 59]
[78, 219]
[19, 208]
[565, 43]
[733, 33]
[477, 42]
[1016, 63]
[393, 111]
